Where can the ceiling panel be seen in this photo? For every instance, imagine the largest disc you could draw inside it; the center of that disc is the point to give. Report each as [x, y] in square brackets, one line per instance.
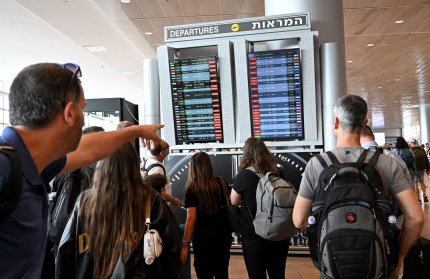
[210, 18]
[158, 24]
[177, 20]
[240, 6]
[133, 10]
[150, 8]
[382, 3]
[192, 7]
[171, 8]
[209, 7]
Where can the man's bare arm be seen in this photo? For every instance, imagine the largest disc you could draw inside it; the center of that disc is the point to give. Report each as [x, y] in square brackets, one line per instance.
[94, 147]
[302, 209]
[413, 220]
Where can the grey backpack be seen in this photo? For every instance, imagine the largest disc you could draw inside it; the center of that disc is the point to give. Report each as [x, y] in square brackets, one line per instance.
[275, 202]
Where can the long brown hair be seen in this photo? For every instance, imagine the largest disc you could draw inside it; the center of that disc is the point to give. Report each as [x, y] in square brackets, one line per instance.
[203, 183]
[257, 155]
[113, 210]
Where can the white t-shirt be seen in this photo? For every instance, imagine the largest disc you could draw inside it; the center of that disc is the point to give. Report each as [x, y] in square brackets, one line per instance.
[158, 169]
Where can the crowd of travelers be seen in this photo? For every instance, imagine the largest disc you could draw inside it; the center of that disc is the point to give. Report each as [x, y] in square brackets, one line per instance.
[107, 217]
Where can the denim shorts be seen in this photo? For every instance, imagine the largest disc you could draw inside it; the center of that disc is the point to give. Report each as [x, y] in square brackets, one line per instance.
[419, 176]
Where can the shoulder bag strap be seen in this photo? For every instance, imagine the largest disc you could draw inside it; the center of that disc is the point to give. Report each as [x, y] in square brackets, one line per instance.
[148, 211]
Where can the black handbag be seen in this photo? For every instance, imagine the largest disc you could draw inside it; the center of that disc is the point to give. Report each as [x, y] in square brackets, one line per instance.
[232, 211]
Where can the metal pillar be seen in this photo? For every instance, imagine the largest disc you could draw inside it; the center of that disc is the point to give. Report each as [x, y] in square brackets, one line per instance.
[327, 19]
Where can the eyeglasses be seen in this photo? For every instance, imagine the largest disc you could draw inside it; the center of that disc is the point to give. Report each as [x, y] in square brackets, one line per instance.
[75, 69]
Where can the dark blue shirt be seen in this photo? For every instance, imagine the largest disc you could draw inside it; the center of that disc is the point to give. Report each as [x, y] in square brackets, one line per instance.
[23, 234]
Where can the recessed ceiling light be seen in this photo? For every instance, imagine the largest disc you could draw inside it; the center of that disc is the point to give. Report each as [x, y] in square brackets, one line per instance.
[148, 33]
[380, 87]
[384, 44]
[399, 21]
[370, 45]
[125, 1]
[397, 79]
[349, 61]
[96, 48]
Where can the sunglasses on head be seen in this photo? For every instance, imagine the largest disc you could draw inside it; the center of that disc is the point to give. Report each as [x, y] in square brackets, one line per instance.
[75, 69]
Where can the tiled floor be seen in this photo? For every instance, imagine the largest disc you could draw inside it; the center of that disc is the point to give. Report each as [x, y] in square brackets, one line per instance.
[301, 267]
[298, 267]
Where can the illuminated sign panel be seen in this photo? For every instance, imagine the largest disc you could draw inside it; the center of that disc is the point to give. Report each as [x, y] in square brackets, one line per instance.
[276, 98]
[196, 100]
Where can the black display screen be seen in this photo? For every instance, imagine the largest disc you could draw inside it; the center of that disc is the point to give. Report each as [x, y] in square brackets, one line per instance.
[196, 100]
[275, 94]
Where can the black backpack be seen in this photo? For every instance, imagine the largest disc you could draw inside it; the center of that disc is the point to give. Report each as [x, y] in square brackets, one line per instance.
[351, 237]
[11, 192]
[421, 160]
[68, 187]
[145, 170]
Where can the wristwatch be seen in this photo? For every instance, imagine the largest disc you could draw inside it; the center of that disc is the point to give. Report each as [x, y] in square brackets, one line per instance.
[185, 243]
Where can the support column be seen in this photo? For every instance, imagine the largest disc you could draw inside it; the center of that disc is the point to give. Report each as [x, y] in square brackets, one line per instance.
[327, 19]
[332, 88]
[424, 122]
[151, 92]
[151, 96]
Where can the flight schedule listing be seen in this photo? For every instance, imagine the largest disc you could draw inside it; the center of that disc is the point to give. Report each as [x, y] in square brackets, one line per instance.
[276, 98]
[196, 100]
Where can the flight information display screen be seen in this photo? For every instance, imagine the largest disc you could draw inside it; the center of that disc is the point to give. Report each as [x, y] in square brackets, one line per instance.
[196, 99]
[275, 94]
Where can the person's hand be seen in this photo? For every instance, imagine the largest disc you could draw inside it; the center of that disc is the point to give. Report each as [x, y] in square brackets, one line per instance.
[184, 253]
[177, 202]
[148, 133]
[398, 274]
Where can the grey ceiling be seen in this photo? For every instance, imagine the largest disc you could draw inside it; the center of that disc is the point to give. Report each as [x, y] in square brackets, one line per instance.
[392, 75]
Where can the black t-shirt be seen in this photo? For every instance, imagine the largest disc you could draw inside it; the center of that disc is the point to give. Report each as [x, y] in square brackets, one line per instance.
[207, 221]
[245, 184]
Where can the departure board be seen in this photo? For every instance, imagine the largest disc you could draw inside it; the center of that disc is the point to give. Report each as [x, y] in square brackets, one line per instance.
[275, 94]
[196, 100]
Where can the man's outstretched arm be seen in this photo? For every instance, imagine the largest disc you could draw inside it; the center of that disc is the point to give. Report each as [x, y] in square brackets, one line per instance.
[94, 147]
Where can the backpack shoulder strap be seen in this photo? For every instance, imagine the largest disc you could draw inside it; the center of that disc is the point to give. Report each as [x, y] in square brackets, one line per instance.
[332, 158]
[11, 193]
[144, 164]
[362, 156]
[322, 161]
[255, 171]
[150, 167]
[374, 158]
